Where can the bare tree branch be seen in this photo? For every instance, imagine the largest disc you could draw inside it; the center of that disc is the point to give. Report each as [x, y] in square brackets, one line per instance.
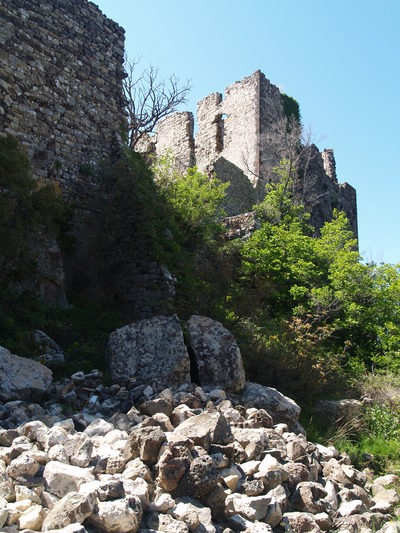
[149, 99]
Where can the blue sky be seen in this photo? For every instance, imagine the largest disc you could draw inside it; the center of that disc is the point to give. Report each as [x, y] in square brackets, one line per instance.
[339, 59]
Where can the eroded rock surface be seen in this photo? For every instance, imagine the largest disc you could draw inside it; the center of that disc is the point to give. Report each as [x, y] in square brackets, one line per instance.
[152, 351]
[217, 355]
[21, 377]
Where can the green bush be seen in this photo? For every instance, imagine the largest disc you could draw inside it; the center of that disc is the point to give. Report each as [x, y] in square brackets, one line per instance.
[291, 108]
[308, 309]
[383, 421]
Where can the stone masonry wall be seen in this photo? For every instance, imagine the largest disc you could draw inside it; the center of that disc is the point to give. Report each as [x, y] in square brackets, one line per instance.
[176, 133]
[60, 84]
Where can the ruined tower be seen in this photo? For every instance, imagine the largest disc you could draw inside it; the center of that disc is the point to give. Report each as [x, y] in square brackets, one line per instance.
[238, 136]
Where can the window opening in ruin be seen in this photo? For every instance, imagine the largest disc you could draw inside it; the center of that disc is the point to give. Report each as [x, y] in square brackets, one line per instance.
[219, 136]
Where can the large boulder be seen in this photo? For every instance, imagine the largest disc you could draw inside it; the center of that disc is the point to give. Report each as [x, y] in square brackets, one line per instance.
[280, 407]
[21, 377]
[152, 351]
[217, 355]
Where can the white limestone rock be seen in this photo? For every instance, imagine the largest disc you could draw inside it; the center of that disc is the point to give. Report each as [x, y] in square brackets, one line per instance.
[32, 518]
[117, 516]
[280, 407]
[72, 508]
[62, 478]
[206, 429]
[251, 507]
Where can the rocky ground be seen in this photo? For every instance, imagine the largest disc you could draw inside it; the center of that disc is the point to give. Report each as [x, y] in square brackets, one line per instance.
[127, 458]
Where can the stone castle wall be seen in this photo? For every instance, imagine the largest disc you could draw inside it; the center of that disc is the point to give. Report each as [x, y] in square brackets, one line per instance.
[61, 71]
[175, 132]
[240, 138]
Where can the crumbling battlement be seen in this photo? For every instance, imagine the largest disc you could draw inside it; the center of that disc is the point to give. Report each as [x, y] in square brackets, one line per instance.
[237, 139]
[61, 71]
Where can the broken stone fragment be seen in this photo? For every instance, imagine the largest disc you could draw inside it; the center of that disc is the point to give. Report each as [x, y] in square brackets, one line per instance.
[251, 507]
[280, 407]
[72, 508]
[62, 478]
[117, 516]
[206, 429]
[145, 443]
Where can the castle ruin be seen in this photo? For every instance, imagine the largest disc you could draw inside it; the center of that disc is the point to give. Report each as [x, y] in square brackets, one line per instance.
[237, 135]
[61, 72]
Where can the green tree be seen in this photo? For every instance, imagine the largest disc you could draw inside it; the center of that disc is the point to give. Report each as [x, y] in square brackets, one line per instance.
[194, 198]
[309, 306]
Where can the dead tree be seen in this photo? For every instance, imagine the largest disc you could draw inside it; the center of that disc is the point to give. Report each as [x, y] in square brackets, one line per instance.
[149, 99]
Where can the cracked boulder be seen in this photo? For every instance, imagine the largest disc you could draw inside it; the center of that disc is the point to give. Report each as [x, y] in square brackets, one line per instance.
[218, 358]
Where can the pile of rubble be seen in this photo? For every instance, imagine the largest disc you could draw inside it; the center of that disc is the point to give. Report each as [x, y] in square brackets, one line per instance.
[182, 461]
[139, 455]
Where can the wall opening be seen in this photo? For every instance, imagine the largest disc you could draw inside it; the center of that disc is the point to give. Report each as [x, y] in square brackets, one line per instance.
[219, 134]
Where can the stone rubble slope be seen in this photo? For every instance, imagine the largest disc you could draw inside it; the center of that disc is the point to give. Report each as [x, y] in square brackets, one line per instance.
[189, 460]
[138, 457]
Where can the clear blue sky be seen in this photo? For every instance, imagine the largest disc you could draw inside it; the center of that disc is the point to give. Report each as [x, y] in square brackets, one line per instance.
[338, 58]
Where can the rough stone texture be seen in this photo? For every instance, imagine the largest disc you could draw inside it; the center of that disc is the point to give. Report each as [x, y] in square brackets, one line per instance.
[340, 411]
[224, 469]
[175, 133]
[117, 516]
[151, 351]
[237, 138]
[240, 226]
[280, 407]
[48, 281]
[206, 429]
[21, 377]
[61, 91]
[240, 195]
[62, 478]
[328, 158]
[321, 194]
[146, 287]
[217, 355]
[72, 508]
